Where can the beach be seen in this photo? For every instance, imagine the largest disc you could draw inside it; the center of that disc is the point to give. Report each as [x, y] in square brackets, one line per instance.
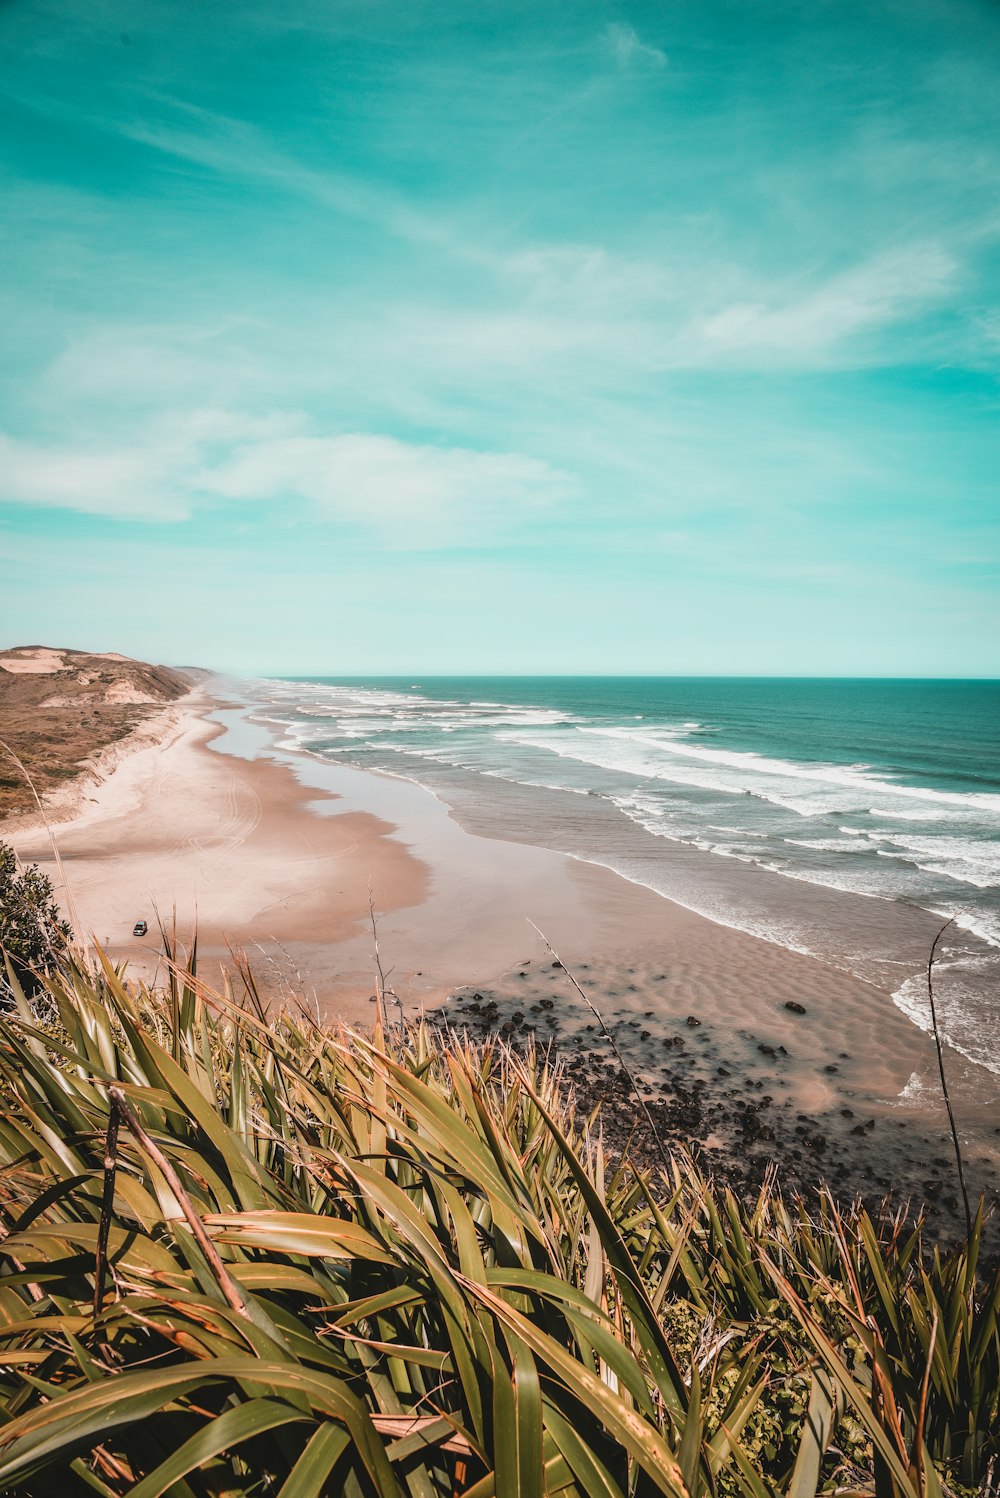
[753, 1051]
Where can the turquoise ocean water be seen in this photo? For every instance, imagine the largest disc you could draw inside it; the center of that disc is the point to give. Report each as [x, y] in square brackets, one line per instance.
[827, 815]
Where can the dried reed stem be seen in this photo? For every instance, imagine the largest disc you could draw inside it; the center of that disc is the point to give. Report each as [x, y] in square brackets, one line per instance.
[107, 1204]
[944, 1080]
[223, 1278]
[654, 1131]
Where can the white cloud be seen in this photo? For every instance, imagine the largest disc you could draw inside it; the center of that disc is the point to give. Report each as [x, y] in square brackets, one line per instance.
[161, 365]
[411, 495]
[585, 277]
[121, 482]
[628, 49]
[814, 326]
[583, 315]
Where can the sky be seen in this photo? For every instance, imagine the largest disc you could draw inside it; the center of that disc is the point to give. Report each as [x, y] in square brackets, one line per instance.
[348, 336]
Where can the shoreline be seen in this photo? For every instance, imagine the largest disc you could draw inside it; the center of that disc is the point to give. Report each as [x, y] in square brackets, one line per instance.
[280, 853]
[230, 847]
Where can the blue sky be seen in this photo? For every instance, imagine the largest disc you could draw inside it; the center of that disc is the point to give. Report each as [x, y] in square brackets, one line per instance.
[359, 337]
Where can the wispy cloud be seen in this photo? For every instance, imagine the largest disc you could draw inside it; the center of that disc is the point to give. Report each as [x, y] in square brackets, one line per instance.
[584, 317]
[411, 496]
[237, 149]
[629, 50]
[126, 483]
[822, 325]
[672, 286]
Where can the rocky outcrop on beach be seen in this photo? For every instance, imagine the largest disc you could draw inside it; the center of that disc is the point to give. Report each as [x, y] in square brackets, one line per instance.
[59, 708]
[727, 1097]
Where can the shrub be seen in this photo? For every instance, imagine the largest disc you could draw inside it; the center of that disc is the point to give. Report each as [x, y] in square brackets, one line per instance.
[32, 931]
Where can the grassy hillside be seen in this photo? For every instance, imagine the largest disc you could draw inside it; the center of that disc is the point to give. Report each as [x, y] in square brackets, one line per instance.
[260, 1257]
[59, 707]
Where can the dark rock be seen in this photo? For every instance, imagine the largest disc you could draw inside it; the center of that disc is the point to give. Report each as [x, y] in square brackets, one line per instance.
[693, 1019]
[795, 1007]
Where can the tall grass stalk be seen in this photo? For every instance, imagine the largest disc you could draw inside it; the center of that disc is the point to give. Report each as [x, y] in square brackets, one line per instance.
[939, 1048]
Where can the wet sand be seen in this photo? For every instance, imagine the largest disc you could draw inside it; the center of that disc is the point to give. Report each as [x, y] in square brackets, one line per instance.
[231, 847]
[753, 1052]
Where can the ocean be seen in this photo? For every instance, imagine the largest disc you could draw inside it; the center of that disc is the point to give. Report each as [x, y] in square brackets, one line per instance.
[842, 818]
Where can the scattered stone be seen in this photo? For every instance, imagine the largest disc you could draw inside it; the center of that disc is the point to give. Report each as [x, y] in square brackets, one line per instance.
[698, 1102]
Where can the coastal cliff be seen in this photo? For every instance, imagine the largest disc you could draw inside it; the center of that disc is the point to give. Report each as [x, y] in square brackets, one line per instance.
[59, 708]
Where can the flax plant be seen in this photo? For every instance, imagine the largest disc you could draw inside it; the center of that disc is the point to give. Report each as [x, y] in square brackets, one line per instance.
[246, 1254]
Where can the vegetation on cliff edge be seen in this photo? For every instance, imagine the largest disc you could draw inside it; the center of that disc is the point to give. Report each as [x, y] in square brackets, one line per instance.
[246, 1254]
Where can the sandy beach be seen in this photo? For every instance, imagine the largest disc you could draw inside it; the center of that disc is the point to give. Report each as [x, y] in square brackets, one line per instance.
[750, 1048]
